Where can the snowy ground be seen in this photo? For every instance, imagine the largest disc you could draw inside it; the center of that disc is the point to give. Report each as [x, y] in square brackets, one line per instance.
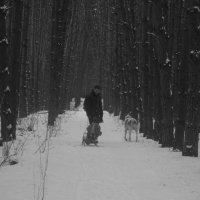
[115, 170]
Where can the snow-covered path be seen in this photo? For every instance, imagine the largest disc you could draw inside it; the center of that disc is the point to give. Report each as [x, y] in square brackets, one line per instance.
[116, 170]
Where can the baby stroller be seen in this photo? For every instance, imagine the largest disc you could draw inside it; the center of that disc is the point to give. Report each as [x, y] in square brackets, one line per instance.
[91, 134]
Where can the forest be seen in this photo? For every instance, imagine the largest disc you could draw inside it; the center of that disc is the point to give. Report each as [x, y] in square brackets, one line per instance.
[144, 53]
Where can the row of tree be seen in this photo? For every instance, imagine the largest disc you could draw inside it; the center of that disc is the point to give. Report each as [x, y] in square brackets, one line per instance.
[156, 68]
[145, 54]
[148, 59]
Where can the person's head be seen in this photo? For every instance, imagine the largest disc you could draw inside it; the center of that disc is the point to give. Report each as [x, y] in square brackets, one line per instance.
[97, 89]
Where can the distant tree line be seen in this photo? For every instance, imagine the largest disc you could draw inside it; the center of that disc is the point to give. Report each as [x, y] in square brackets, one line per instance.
[144, 53]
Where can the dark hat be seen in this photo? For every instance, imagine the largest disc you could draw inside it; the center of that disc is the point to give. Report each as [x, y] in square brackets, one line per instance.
[97, 87]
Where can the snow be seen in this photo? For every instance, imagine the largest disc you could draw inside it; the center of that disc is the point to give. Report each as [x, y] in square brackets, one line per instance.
[114, 170]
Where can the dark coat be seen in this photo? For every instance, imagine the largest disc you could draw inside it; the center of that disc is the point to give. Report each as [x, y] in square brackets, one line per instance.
[93, 107]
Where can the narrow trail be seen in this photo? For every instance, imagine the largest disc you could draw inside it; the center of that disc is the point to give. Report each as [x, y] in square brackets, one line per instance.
[116, 169]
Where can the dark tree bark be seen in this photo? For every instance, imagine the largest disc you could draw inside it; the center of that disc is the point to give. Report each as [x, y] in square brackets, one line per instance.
[11, 69]
[191, 137]
[57, 57]
[180, 73]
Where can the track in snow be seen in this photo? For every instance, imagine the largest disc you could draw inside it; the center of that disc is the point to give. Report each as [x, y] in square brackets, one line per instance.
[117, 170]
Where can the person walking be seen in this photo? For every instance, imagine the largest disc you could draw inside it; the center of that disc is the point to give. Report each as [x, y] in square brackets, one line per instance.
[93, 105]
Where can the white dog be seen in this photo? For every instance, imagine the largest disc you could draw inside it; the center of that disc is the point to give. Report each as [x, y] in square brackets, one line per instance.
[130, 124]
